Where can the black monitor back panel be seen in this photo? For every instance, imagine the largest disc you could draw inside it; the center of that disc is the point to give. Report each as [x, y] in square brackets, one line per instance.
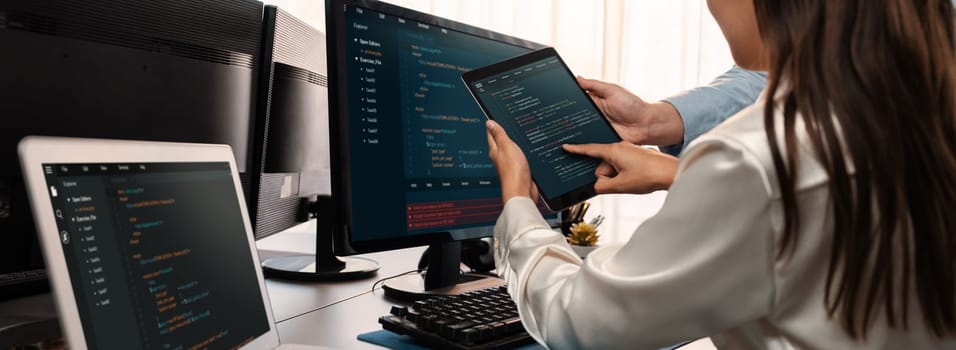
[145, 70]
[293, 121]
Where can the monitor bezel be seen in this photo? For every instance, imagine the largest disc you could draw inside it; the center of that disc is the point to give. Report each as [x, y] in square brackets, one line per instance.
[338, 126]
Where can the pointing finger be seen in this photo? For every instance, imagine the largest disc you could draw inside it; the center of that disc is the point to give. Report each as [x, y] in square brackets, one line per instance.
[593, 150]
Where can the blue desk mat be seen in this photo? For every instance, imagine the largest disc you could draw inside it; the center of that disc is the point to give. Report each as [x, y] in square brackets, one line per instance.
[403, 342]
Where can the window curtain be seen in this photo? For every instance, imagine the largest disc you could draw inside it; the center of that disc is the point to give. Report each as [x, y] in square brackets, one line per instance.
[654, 48]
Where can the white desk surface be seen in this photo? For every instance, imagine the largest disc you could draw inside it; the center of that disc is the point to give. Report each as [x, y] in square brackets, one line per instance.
[293, 298]
[338, 325]
[330, 314]
[333, 314]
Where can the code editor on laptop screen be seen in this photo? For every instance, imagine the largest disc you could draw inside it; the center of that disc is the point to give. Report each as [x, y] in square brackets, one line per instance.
[157, 255]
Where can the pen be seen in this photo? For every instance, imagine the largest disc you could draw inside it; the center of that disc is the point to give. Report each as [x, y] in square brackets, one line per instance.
[572, 213]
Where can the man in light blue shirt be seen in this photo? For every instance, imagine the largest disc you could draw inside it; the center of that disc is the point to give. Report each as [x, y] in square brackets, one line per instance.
[679, 119]
[702, 108]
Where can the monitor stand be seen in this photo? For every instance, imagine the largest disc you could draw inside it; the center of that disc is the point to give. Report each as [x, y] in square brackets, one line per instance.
[324, 265]
[442, 277]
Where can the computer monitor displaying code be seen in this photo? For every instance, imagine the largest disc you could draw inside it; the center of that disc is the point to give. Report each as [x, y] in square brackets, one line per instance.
[408, 142]
[415, 145]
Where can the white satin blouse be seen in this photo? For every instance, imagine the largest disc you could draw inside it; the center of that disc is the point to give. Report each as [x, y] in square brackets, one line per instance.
[704, 266]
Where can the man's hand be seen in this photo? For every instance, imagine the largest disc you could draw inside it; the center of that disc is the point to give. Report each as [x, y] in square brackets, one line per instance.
[512, 166]
[627, 168]
[637, 121]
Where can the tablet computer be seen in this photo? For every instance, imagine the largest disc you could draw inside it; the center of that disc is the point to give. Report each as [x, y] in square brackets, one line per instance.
[538, 102]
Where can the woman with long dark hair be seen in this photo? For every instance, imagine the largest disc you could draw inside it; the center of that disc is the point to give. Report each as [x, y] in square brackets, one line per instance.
[821, 217]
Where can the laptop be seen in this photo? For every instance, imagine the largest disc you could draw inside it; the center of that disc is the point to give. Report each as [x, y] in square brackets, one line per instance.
[148, 245]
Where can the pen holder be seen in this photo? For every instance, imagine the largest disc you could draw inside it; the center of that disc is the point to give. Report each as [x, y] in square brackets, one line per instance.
[573, 215]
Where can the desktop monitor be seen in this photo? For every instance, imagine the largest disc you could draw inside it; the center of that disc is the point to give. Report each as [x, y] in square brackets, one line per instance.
[408, 140]
[145, 70]
[292, 124]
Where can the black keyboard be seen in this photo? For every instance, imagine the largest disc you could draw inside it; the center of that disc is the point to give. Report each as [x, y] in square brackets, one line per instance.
[481, 319]
[23, 283]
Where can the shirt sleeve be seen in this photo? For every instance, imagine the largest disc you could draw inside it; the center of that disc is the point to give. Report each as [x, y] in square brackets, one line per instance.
[702, 108]
[700, 266]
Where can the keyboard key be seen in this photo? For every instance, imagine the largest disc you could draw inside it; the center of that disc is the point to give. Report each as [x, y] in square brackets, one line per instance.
[399, 311]
[514, 325]
[453, 331]
[468, 336]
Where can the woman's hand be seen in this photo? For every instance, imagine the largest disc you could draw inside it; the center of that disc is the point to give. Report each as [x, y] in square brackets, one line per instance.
[512, 166]
[626, 168]
[637, 121]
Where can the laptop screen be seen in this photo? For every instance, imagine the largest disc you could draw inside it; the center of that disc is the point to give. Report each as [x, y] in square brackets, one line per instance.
[158, 255]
